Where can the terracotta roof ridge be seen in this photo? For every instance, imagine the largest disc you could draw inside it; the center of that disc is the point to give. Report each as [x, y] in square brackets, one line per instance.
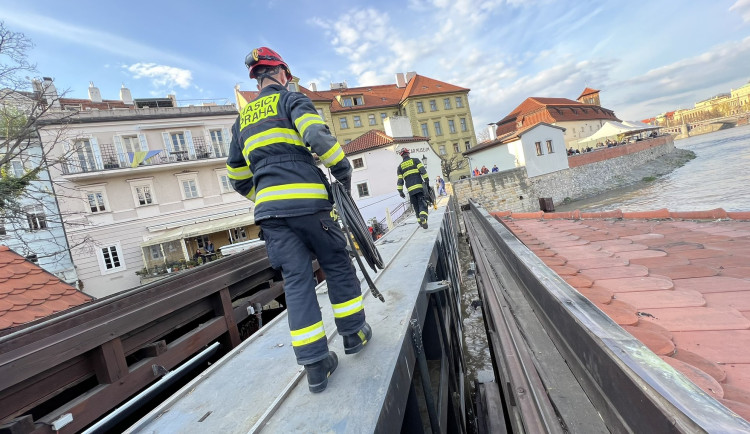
[660, 214]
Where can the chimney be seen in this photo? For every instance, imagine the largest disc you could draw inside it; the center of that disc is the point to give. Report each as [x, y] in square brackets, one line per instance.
[398, 127]
[173, 98]
[492, 130]
[400, 80]
[49, 92]
[313, 87]
[94, 94]
[410, 75]
[125, 96]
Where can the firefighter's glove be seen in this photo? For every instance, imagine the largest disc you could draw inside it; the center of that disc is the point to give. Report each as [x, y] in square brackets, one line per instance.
[347, 183]
[401, 193]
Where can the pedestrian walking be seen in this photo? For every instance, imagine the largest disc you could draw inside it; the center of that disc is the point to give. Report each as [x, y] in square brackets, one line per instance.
[411, 172]
[271, 163]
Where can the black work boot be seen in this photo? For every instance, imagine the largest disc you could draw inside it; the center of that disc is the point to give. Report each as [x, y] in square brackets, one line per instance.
[424, 223]
[318, 372]
[355, 342]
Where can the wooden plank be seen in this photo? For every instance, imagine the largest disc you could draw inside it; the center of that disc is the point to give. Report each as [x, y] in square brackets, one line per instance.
[161, 326]
[22, 363]
[223, 309]
[228, 270]
[89, 407]
[28, 394]
[109, 361]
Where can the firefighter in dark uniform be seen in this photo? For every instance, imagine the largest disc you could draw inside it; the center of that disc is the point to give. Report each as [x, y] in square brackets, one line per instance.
[271, 163]
[411, 172]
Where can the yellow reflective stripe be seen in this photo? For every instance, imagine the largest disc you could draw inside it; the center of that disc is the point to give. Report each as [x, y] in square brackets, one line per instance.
[306, 120]
[308, 334]
[420, 165]
[251, 195]
[415, 186]
[407, 163]
[347, 308]
[292, 191]
[423, 212]
[271, 136]
[400, 176]
[411, 172]
[239, 173]
[333, 156]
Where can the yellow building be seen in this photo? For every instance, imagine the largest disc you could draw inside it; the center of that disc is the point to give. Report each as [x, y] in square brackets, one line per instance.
[437, 110]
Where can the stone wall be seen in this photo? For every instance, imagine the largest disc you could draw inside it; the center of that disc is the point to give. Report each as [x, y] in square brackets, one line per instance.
[512, 190]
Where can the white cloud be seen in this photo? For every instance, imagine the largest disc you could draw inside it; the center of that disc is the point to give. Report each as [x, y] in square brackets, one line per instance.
[743, 8]
[161, 75]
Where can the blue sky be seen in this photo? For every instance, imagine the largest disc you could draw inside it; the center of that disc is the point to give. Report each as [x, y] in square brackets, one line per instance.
[647, 57]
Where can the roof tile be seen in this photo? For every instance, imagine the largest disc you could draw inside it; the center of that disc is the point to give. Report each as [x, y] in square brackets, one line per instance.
[697, 376]
[699, 318]
[684, 271]
[655, 342]
[600, 274]
[662, 299]
[27, 292]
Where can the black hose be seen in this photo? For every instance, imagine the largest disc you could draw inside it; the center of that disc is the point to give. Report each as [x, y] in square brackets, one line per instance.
[351, 218]
[352, 221]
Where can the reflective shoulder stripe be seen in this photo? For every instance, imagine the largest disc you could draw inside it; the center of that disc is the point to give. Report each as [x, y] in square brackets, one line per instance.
[347, 308]
[239, 173]
[271, 136]
[308, 334]
[420, 165]
[292, 191]
[333, 156]
[306, 120]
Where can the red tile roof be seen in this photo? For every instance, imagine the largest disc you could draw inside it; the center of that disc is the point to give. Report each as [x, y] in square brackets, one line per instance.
[374, 139]
[679, 282]
[587, 91]
[387, 95]
[27, 292]
[551, 110]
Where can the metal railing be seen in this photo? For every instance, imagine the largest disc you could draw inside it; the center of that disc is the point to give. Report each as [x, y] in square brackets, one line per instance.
[80, 161]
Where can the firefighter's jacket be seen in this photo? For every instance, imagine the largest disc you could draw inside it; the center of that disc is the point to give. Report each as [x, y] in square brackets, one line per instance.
[411, 172]
[270, 156]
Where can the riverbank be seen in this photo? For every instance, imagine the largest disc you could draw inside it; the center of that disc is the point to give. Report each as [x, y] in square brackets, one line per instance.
[639, 177]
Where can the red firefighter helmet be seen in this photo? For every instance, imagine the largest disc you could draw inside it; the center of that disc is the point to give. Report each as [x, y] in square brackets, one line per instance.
[403, 152]
[264, 56]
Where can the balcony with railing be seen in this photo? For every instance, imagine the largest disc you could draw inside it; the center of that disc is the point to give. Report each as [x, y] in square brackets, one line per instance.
[102, 157]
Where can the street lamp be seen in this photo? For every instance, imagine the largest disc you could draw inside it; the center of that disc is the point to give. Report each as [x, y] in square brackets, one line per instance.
[424, 160]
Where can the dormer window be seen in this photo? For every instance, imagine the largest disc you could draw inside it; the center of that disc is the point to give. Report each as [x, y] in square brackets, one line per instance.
[351, 101]
[292, 87]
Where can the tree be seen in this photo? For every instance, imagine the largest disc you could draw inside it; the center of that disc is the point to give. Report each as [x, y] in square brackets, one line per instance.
[451, 164]
[28, 204]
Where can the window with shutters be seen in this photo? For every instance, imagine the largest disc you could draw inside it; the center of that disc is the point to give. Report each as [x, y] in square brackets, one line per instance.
[218, 143]
[83, 156]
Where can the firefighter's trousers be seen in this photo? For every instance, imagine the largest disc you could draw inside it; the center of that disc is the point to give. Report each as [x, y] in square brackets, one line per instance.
[291, 243]
[419, 203]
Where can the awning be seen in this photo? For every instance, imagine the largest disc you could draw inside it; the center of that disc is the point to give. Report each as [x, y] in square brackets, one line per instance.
[202, 228]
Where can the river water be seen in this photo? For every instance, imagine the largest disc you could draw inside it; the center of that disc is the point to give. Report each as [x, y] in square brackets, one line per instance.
[719, 177]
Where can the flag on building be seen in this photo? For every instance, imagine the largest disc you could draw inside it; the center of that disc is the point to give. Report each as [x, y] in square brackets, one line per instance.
[139, 157]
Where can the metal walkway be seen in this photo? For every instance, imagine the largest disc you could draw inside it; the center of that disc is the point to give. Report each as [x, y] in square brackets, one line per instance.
[408, 377]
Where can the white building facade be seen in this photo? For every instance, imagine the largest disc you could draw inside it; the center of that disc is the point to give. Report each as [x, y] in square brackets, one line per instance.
[540, 149]
[143, 189]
